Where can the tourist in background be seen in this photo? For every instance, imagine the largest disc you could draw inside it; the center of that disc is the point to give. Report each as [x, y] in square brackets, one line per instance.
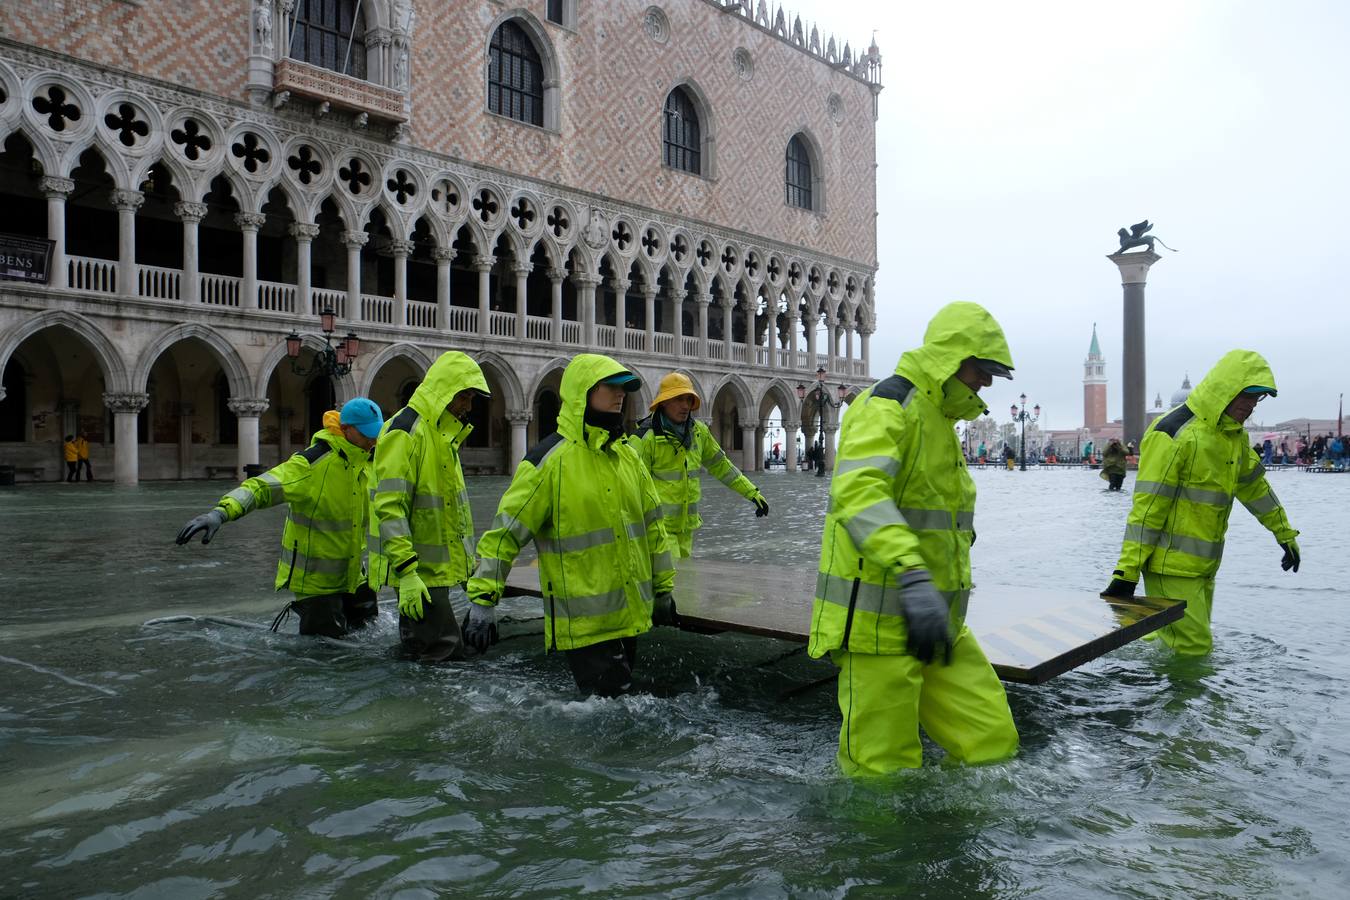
[325, 491]
[894, 575]
[71, 454]
[1113, 464]
[421, 528]
[82, 454]
[1195, 461]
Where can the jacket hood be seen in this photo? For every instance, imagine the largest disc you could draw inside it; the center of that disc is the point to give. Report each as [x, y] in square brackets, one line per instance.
[332, 422]
[451, 373]
[1237, 369]
[579, 377]
[959, 330]
[338, 441]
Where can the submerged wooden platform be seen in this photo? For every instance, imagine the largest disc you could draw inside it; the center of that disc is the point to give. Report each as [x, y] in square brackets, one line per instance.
[1030, 635]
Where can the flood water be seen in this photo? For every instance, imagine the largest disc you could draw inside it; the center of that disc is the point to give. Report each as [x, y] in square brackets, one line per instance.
[203, 756]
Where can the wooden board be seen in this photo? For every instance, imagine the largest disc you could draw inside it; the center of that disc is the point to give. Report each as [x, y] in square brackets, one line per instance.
[1030, 635]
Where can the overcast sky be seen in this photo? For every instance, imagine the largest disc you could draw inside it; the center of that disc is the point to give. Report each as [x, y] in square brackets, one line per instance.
[1015, 138]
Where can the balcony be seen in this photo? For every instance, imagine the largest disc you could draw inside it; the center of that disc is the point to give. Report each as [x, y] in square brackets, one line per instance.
[343, 91]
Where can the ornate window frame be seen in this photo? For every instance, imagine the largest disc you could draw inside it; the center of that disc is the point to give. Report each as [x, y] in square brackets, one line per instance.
[551, 78]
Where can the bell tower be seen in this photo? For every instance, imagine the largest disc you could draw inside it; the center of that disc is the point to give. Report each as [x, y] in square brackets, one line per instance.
[1094, 385]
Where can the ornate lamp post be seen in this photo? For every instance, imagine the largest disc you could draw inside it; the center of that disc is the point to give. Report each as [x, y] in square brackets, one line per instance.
[1020, 415]
[821, 395]
[330, 361]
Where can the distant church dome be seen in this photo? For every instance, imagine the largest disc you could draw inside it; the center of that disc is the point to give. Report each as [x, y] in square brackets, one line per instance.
[1181, 393]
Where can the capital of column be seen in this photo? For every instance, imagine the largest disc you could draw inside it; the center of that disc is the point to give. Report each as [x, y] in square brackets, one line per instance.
[522, 269]
[1134, 266]
[649, 292]
[303, 231]
[443, 254]
[248, 221]
[620, 285]
[125, 200]
[585, 278]
[702, 298]
[402, 248]
[519, 416]
[355, 240]
[186, 409]
[246, 406]
[189, 211]
[125, 401]
[557, 275]
[792, 426]
[484, 263]
[54, 186]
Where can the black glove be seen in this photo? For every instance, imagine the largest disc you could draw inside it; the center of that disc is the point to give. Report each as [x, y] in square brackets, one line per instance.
[1291, 557]
[208, 523]
[480, 626]
[925, 617]
[663, 611]
[761, 507]
[1119, 588]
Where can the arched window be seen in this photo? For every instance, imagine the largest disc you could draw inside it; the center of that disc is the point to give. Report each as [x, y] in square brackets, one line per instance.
[515, 76]
[681, 133]
[329, 33]
[799, 175]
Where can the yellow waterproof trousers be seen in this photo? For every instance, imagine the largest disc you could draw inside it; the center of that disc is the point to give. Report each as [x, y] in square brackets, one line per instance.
[1189, 635]
[884, 700]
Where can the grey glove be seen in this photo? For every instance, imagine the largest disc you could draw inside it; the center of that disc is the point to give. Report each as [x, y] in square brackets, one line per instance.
[208, 523]
[925, 617]
[480, 626]
[663, 611]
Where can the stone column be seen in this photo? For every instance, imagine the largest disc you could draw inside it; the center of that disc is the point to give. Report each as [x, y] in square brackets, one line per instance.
[284, 416]
[555, 280]
[790, 430]
[620, 287]
[126, 406]
[443, 256]
[749, 448]
[354, 241]
[728, 313]
[401, 250]
[520, 422]
[56, 190]
[675, 317]
[703, 299]
[809, 321]
[848, 350]
[249, 223]
[831, 345]
[185, 411]
[771, 335]
[522, 273]
[1133, 276]
[586, 284]
[831, 428]
[247, 411]
[864, 334]
[191, 215]
[483, 266]
[126, 203]
[304, 234]
[794, 323]
[649, 313]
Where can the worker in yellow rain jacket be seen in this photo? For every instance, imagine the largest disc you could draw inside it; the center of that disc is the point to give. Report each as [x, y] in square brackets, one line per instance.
[70, 452]
[1193, 461]
[421, 527]
[324, 489]
[588, 503]
[674, 446]
[894, 574]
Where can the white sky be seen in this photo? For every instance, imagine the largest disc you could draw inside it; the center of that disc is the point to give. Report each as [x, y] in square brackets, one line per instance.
[1015, 138]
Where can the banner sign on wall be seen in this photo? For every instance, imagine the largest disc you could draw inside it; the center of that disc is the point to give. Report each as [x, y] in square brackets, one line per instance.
[25, 259]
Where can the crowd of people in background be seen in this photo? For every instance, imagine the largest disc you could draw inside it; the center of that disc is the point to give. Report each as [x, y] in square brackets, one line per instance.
[1330, 450]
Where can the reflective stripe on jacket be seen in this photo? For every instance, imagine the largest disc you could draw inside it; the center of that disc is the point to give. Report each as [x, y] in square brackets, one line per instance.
[901, 497]
[1193, 462]
[590, 507]
[324, 489]
[675, 470]
[420, 514]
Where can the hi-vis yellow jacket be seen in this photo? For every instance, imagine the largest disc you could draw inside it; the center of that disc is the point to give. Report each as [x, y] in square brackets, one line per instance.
[420, 514]
[1192, 463]
[324, 489]
[901, 497]
[675, 467]
[590, 507]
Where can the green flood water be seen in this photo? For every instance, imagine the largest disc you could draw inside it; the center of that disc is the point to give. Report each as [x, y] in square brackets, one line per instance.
[210, 758]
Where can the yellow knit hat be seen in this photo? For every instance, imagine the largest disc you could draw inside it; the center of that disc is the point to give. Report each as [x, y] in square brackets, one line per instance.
[676, 384]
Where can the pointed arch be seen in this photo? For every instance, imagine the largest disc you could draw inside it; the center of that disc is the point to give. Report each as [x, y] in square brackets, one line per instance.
[224, 351]
[697, 97]
[344, 385]
[109, 358]
[505, 374]
[402, 350]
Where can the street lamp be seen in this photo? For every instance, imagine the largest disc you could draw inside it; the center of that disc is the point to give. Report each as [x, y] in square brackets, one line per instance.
[821, 395]
[1020, 415]
[330, 360]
